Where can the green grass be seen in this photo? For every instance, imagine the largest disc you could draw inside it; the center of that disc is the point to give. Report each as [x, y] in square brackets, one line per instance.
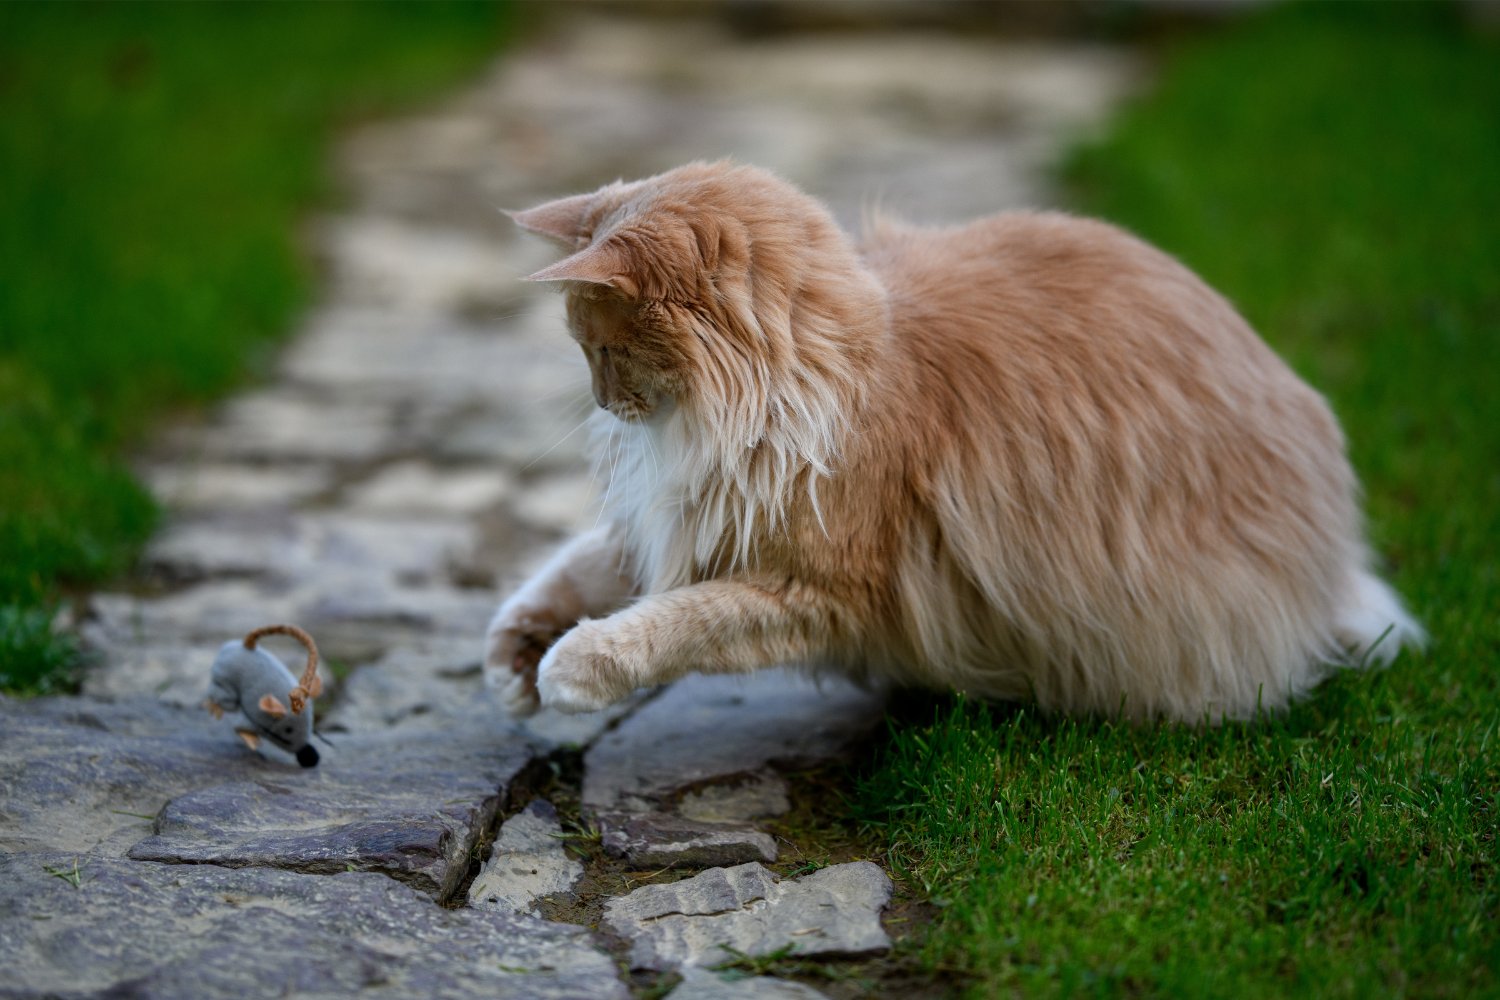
[1336, 171]
[155, 160]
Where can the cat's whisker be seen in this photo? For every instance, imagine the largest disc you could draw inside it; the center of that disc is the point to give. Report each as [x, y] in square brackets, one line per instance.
[580, 425]
[655, 466]
[609, 487]
[494, 319]
[578, 389]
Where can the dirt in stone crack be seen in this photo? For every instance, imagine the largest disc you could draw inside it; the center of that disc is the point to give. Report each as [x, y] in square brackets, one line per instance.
[816, 832]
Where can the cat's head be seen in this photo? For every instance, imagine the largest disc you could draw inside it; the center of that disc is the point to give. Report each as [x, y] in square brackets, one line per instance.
[704, 287]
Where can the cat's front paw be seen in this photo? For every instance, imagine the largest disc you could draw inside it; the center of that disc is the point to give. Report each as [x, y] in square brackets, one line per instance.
[581, 674]
[514, 645]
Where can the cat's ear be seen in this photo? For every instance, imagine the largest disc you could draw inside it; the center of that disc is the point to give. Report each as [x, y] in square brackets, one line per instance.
[559, 220]
[604, 263]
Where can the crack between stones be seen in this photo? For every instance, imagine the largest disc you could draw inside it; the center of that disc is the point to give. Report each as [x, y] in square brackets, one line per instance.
[559, 770]
[747, 905]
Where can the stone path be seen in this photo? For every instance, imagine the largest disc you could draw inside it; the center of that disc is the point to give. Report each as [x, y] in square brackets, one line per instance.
[408, 461]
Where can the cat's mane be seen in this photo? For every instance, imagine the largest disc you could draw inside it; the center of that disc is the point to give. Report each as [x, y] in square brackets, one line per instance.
[784, 376]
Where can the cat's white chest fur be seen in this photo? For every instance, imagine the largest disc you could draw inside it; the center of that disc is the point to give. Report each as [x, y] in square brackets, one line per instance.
[644, 494]
[684, 515]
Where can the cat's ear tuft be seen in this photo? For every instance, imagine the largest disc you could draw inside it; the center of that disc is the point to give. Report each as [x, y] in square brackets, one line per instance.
[559, 220]
[601, 264]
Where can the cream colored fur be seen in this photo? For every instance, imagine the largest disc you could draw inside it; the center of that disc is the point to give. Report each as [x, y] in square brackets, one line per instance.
[1031, 457]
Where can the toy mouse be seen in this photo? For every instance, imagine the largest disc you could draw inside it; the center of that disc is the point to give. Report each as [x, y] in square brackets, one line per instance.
[252, 681]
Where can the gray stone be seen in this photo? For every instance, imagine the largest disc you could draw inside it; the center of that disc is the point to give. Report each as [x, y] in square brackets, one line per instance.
[835, 911]
[361, 619]
[660, 840]
[563, 503]
[163, 645]
[703, 984]
[546, 437]
[98, 777]
[420, 488]
[387, 262]
[718, 729]
[422, 684]
[758, 796]
[212, 611]
[300, 547]
[133, 929]
[551, 729]
[225, 486]
[262, 542]
[285, 425]
[528, 862]
[176, 671]
[409, 548]
[682, 780]
[371, 602]
[412, 805]
[88, 776]
[420, 355]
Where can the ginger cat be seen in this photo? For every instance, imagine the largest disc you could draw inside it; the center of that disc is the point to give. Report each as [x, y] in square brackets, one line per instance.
[1028, 458]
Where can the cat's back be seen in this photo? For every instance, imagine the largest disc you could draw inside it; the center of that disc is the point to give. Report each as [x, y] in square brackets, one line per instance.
[1055, 275]
[1049, 307]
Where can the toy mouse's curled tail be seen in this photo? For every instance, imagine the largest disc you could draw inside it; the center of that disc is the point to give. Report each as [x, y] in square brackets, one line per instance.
[311, 684]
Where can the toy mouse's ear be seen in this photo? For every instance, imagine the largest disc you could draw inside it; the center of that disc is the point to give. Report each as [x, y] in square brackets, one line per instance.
[315, 687]
[272, 706]
[252, 740]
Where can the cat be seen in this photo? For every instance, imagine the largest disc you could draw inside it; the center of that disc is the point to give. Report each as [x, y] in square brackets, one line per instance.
[1028, 458]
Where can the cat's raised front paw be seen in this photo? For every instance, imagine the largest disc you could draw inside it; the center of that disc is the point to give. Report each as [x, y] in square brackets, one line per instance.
[578, 675]
[517, 640]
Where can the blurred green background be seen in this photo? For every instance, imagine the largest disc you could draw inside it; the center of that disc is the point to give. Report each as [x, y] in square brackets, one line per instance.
[155, 161]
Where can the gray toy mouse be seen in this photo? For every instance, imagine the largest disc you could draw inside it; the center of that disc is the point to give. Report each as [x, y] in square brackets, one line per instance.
[275, 704]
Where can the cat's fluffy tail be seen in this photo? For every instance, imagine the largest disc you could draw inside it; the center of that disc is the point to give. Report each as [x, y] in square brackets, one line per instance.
[1372, 625]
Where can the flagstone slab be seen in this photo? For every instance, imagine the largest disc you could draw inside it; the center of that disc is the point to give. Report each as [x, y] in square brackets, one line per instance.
[725, 913]
[289, 425]
[164, 783]
[718, 729]
[219, 486]
[90, 776]
[411, 805]
[419, 488]
[661, 840]
[86, 925]
[297, 547]
[529, 861]
[685, 778]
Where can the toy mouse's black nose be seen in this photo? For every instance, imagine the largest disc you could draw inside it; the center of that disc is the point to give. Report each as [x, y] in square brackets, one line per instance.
[308, 756]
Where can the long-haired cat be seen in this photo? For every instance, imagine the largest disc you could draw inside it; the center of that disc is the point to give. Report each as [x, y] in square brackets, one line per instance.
[1028, 458]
